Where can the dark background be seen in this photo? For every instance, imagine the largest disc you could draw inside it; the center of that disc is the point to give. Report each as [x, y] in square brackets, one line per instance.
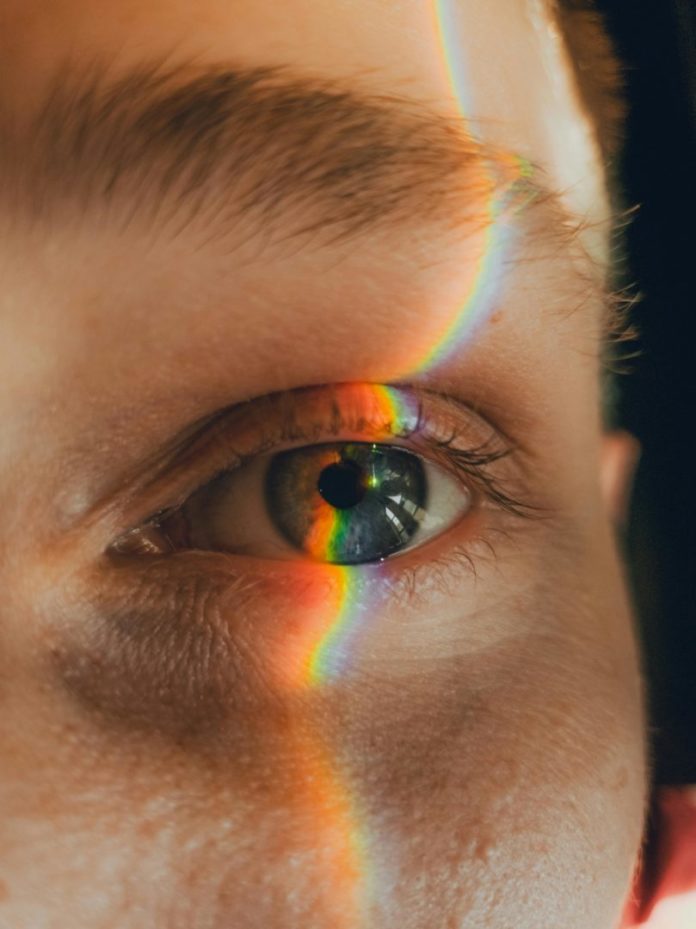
[657, 41]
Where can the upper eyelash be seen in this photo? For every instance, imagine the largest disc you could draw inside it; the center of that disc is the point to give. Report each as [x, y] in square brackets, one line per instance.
[472, 463]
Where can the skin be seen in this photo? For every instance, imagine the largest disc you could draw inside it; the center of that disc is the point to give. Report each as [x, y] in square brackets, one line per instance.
[519, 684]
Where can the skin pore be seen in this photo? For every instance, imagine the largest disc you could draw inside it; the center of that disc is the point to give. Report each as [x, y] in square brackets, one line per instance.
[478, 758]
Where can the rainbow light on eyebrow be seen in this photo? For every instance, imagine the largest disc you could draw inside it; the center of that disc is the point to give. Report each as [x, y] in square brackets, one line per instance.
[492, 251]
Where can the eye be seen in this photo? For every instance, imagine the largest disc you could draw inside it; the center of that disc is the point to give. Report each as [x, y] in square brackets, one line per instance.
[348, 474]
[340, 503]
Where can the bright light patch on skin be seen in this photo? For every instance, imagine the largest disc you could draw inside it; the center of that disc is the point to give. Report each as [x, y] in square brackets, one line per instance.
[505, 190]
[570, 131]
[347, 603]
[677, 912]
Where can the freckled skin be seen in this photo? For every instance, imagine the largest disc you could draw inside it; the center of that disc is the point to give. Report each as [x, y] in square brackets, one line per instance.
[483, 764]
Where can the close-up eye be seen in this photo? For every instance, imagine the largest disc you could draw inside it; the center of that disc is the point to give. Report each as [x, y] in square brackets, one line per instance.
[334, 332]
[342, 503]
[400, 470]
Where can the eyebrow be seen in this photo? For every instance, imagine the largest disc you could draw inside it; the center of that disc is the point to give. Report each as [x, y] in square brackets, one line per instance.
[240, 146]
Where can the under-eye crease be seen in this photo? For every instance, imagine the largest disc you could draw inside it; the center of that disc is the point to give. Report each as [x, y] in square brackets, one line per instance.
[419, 425]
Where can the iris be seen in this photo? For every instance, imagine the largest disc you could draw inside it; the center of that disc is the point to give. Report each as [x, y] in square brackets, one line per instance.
[348, 503]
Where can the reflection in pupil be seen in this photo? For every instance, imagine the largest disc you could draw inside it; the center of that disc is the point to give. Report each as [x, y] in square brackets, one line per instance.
[342, 485]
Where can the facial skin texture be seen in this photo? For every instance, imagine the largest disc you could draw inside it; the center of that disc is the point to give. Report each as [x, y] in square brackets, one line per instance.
[486, 751]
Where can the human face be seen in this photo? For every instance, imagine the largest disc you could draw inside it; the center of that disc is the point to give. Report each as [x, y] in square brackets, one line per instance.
[254, 733]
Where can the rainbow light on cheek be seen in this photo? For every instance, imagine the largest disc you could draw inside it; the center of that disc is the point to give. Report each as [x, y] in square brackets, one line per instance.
[331, 619]
[345, 888]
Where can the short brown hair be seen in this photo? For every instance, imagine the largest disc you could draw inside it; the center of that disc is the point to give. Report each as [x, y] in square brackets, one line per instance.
[598, 70]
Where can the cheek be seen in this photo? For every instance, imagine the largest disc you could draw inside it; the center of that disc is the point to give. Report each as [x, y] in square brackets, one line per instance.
[520, 802]
[499, 788]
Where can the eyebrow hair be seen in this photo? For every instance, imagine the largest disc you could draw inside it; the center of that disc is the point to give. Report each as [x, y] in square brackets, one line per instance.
[239, 145]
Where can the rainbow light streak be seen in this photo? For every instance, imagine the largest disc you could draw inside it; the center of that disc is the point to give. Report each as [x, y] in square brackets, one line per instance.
[343, 617]
[508, 188]
[476, 307]
[333, 635]
[332, 652]
[335, 820]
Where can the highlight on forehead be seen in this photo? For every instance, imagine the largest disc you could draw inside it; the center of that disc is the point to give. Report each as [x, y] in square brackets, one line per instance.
[222, 144]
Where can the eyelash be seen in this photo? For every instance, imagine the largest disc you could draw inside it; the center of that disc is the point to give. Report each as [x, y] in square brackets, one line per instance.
[469, 466]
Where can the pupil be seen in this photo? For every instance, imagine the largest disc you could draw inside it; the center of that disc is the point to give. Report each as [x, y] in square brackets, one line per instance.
[342, 485]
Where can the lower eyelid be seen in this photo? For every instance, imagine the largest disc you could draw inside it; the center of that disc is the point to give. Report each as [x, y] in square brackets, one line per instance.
[220, 574]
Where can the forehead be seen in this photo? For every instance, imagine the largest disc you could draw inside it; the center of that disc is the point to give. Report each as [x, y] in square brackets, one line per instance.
[499, 65]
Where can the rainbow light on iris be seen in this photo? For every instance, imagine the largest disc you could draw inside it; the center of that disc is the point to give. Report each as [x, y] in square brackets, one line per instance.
[393, 413]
